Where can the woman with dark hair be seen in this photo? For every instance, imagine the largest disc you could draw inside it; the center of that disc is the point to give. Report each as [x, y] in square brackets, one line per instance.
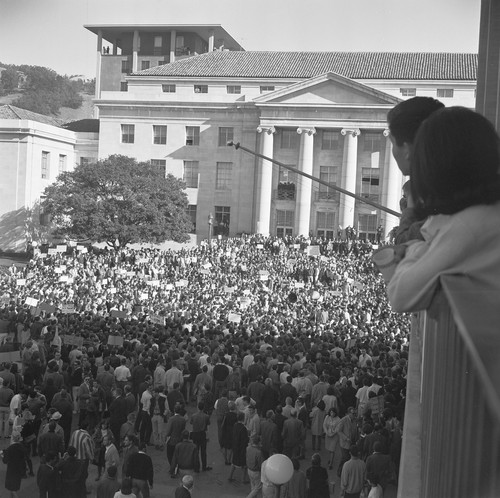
[318, 478]
[240, 443]
[230, 418]
[331, 437]
[14, 456]
[455, 181]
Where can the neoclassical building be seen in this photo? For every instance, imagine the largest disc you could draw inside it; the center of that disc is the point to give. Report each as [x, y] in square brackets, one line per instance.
[175, 95]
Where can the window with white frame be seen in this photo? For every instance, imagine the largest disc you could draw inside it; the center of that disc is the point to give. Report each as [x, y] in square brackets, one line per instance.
[200, 88]
[226, 134]
[159, 134]
[266, 88]
[84, 161]
[329, 140]
[168, 88]
[328, 174]
[408, 92]
[371, 142]
[370, 184]
[367, 226]
[192, 210]
[192, 135]
[62, 163]
[325, 224]
[223, 176]
[126, 66]
[158, 44]
[161, 165]
[233, 89]
[191, 173]
[45, 164]
[128, 133]
[222, 220]
[284, 222]
[145, 65]
[289, 139]
[445, 93]
[287, 184]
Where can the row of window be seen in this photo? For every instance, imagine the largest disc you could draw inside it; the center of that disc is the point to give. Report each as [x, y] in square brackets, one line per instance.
[441, 93]
[289, 139]
[171, 88]
[159, 136]
[285, 220]
[45, 164]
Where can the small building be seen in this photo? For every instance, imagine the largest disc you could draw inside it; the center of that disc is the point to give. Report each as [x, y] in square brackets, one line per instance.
[34, 150]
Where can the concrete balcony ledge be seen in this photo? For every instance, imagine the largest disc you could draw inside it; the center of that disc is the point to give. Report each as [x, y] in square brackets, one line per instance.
[451, 435]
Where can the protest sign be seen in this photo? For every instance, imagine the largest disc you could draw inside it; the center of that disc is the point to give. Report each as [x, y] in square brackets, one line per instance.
[299, 285]
[67, 308]
[61, 248]
[72, 340]
[20, 282]
[118, 314]
[115, 340]
[234, 317]
[48, 308]
[313, 251]
[31, 301]
[157, 319]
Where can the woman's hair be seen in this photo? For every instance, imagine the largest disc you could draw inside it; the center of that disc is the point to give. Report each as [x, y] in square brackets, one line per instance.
[332, 410]
[455, 162]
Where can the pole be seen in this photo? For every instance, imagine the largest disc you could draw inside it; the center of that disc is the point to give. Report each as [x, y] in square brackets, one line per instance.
[323, 182]
[210, 225]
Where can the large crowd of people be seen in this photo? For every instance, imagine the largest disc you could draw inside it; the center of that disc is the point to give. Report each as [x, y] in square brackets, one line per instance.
[273, 339]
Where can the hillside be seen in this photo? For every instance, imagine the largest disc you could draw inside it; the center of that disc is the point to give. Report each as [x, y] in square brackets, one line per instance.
[86, 111]
[66, 114]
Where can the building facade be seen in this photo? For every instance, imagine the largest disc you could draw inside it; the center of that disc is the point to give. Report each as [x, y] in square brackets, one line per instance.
[323, 113]
[34, 150]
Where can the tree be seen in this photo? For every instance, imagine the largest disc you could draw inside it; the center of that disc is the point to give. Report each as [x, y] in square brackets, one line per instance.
[9, 80]
[118, 199]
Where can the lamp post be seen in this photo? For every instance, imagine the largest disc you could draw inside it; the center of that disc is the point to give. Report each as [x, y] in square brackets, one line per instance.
[210, 226]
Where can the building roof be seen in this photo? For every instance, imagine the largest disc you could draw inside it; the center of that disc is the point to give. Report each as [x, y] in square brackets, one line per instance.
[111, 31]
[84, 125]
[12, 112]
[354, 65]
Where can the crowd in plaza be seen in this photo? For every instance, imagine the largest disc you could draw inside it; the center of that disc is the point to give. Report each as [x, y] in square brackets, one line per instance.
[277, 341]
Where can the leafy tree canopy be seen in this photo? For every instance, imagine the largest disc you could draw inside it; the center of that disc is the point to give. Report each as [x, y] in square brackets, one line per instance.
[44, 91]
[118, 199]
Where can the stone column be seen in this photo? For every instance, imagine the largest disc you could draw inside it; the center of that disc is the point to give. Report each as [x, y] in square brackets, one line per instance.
[304, 185]
[98, 72]
[211, 41]
[173, 37]
[348, 176]
[264, 181]
[391, 187]
[135, 51]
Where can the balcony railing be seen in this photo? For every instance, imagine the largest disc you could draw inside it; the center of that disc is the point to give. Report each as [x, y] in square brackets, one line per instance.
[451, 442]
[327, 196]
[285, 192]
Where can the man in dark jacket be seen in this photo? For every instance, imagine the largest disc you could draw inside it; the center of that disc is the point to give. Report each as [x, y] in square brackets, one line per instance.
[71, 471]
[140, 469]
[47, 478]
[108, 486]
[185, 457]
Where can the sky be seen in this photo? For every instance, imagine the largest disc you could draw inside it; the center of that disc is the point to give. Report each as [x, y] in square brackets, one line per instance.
[50, 33]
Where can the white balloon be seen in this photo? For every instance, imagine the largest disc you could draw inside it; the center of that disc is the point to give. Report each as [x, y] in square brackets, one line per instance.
[279, 469]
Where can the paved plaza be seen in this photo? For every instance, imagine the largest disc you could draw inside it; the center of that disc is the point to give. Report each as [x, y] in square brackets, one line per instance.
[210, 484]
